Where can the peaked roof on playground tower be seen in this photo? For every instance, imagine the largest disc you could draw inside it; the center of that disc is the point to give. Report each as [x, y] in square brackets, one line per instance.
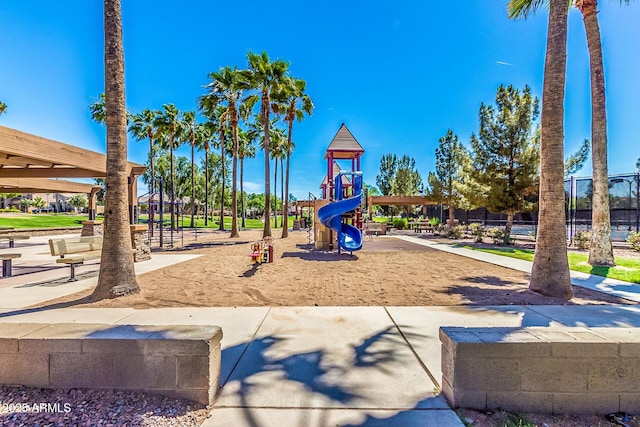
[344, 145]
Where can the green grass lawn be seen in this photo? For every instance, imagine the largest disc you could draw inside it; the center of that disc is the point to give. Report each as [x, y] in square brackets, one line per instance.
[66, 220]
[627, 269]
[43, 220]
[199, 222]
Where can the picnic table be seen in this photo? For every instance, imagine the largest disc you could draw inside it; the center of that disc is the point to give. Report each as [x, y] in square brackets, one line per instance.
[419, 226]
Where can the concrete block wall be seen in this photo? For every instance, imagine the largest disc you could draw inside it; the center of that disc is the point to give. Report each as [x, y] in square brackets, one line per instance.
[542, 369]
[177, 361]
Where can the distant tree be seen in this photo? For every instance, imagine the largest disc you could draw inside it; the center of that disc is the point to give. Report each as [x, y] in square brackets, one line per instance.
[448, 182]
[78, 201]
[278, 153]
[26, 203]
[574, 162]
[370, 190]
[638, 164]
[3, 108]
[505, 154]
[246, 149]
[103, 185]
[296, 105]
[169, 130]
[98, 109]
[38, 202]
[256, 201]
[407, 180]
[142, 127]
[384, 179]
[9, 196]
[388, 167]
[190, 135]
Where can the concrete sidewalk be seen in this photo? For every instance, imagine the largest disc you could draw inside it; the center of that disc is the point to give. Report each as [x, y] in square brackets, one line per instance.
[348, 366]
[319, 366]
[619, 288]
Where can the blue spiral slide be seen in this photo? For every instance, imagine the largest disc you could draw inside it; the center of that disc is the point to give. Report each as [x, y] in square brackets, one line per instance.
[349, 237]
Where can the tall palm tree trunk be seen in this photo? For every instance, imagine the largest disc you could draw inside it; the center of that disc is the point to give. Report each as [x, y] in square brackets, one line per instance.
[601, 249]
[173, 185]
[275, 191]
[283, 220]
[193, 183]
[152, 183]
[264, 109]
[242, 207]
[117, 275]
[206, 185]
[222, 156]
[234, 175]
[550, 272]
[285, 230]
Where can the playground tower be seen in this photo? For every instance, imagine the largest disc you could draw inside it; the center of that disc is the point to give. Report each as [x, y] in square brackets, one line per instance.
[343, 148]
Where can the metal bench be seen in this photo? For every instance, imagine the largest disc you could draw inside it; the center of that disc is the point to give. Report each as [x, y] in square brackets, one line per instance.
[82, 249]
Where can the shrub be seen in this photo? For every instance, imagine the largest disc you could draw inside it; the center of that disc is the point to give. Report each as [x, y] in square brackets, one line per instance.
[400, 223]
[434, 221]
[498, 235]
[476, 229]
[634, 240]
[454, 232]
[582, 239]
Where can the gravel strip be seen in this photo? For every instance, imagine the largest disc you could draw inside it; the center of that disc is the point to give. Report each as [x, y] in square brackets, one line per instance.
[37, 407]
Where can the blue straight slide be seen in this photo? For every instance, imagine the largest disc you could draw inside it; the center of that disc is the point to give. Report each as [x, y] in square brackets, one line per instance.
[349, 237]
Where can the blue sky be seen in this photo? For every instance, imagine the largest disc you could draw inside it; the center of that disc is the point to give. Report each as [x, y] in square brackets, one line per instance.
[398, 74]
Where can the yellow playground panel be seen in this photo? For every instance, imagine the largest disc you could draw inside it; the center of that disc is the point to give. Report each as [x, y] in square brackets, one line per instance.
[262, 250]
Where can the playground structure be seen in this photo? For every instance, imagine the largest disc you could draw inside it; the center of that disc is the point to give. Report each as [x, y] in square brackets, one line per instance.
[262, 251]
[338, 215]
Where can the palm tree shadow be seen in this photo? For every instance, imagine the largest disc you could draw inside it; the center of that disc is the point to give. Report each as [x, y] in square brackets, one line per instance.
[242, 363]
[66, 304]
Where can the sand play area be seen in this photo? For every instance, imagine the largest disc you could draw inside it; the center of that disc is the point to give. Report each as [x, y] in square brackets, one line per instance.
[386, 272]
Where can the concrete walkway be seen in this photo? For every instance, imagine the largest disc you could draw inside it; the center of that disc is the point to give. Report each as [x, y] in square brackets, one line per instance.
[322, 366]
[619, 288]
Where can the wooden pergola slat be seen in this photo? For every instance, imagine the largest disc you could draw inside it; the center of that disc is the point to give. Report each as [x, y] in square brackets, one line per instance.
[26, 160]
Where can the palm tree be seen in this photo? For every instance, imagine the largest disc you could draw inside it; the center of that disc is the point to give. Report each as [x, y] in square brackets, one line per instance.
[142, 126]
[297, 104]
[116, 248]
[246, 148]
[265, 76]
[278, 152]
[550, 272]
[227, 85]
[169, 132]
[3, 108]
[98, 109]
[217, 113]
[189, 131]
[201, 142]
[208, 131]
[601, 248]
